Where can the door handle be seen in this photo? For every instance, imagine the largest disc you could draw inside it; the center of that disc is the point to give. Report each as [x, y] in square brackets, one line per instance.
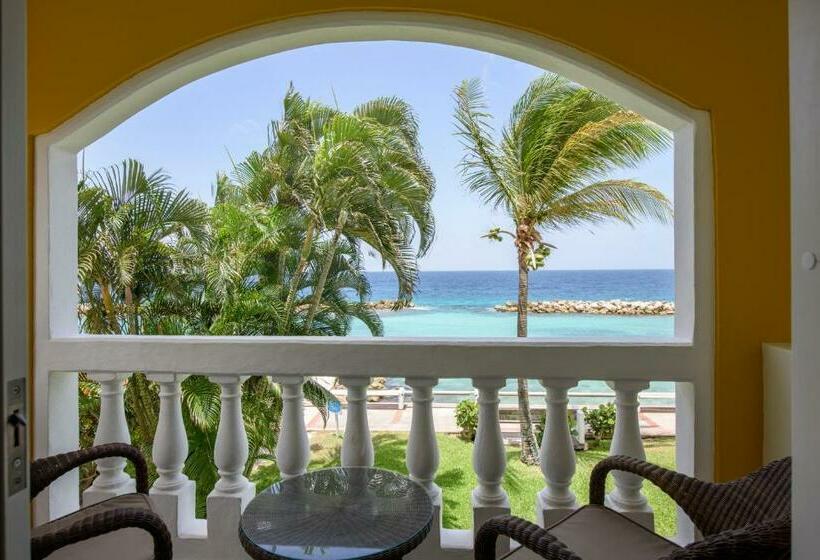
[17, 421]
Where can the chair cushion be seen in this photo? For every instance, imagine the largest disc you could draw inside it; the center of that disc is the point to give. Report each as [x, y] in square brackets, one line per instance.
[124, 544]
[599, 533]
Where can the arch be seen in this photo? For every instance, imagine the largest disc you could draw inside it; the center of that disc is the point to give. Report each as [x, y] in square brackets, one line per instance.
[691, 127]
[241, 46]
[55, 175]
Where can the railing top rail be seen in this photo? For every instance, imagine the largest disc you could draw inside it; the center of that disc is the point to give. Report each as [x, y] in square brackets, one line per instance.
[622, 359]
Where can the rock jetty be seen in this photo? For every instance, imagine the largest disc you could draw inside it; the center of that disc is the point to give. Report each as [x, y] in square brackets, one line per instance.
[610, 307]
[388, 305]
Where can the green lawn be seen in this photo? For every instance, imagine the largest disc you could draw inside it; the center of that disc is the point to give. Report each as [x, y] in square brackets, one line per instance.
[457, 479]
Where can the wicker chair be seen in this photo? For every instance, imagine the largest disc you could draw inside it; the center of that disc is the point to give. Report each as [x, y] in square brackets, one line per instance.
[89, 532]
[746, 519]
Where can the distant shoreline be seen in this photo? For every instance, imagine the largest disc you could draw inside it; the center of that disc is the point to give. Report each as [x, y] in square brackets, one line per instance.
[600, 307]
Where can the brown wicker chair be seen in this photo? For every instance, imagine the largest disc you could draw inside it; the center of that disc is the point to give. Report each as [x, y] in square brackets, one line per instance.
[129, 511]
[746, 519]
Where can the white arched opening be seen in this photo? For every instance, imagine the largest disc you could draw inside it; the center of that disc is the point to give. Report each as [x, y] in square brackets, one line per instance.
[687, 358]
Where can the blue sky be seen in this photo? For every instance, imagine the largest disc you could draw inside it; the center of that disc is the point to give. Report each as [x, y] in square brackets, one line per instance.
[195, 131]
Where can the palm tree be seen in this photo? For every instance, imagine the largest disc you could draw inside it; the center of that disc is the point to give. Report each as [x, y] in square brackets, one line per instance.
[358, 176]
[549, 171]
[250, 261]
[129, 223]
[155, 261]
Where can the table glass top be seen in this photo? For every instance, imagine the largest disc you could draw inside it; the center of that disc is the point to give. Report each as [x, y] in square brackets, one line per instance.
[338, 514]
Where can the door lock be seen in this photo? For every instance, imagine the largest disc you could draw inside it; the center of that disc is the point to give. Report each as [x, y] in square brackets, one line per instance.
[16, 438]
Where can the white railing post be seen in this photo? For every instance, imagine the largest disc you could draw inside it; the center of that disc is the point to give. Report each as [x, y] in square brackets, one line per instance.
[293, 447]
[422, 451]
[556, 500]
[112, 427]
[232, 491]
[489, 458]
[357, 446]
[581, 426]
[627, 496]
[173, 494]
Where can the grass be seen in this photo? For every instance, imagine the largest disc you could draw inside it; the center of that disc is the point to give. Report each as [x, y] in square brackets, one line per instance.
[457, 479]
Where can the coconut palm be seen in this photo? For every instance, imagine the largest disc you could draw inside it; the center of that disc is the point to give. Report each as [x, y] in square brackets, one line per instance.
[548, 171]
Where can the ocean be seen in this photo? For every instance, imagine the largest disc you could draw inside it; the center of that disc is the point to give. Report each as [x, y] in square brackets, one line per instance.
[460, 304]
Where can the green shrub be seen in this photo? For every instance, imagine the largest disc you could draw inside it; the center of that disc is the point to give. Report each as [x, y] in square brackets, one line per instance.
[467, 418]
[601, 420]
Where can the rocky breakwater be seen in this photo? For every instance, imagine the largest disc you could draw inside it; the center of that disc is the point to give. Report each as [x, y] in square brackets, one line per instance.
[388, 305]
[609, 307]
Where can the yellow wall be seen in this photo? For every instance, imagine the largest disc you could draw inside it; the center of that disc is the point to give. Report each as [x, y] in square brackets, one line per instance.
[726, 56]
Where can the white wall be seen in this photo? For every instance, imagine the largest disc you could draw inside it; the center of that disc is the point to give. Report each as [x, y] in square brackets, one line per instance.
[804, 85]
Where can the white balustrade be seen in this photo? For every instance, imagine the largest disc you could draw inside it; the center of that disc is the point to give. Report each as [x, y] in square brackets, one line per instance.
[556, 500]
[627, 496]
[357, 446]
[112, 427]
[422, 452]
[173, 493]
[293, 446]
[233, 491]
[489, 458]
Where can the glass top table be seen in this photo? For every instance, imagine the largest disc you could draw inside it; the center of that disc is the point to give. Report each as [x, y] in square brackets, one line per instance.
[346, 513]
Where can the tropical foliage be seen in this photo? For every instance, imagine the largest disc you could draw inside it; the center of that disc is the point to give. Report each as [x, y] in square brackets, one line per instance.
[548, 170]
[279, 253]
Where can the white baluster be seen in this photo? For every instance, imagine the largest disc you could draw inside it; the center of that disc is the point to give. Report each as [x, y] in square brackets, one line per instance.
[489, 458]
[422, 447]
[357, 446]
[422, 454]
[581, 427]
[556, 500]
[627, 497]
[174, 495]
[293, 447]
[112, 427]
[232, 491]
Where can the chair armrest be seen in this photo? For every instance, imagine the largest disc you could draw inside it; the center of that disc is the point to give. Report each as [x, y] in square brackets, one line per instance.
[679, 487]
[769, 540]
[48, 469]
[105, 522]
[529, 535]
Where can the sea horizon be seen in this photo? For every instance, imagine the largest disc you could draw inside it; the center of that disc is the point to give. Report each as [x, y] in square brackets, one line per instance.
[460, 304]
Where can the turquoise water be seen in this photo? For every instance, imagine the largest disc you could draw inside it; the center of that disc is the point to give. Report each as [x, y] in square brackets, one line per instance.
[459, 304]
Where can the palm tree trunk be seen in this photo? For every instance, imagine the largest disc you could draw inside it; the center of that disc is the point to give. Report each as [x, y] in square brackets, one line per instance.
[140, 388]
[108, 304]
[304, 253]
[529, 447]
[326, 265]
